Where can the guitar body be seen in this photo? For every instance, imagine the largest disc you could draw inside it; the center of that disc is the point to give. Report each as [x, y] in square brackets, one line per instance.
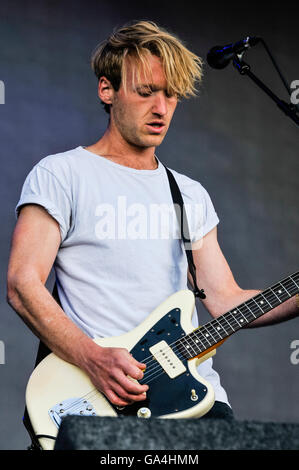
[57, 388]
[171, 349]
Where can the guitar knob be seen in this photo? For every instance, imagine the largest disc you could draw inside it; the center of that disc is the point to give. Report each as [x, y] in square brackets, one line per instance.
[144, 412]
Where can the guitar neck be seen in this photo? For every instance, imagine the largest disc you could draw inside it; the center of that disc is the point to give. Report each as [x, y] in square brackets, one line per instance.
[217, 330]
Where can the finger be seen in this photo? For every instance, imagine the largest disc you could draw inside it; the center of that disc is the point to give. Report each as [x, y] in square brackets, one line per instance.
[123, 394]
[138, 364]
[115, 399]
[129, 384]
[134, 369]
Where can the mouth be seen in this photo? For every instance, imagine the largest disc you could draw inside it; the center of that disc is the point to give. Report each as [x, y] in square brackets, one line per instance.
[156, 127]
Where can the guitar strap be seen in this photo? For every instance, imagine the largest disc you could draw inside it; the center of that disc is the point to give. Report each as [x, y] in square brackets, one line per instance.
[184, 229]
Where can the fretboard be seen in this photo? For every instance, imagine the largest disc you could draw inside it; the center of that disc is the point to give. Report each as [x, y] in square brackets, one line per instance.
[220, 328]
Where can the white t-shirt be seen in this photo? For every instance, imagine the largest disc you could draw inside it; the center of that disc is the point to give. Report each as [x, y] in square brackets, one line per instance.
[120, 254]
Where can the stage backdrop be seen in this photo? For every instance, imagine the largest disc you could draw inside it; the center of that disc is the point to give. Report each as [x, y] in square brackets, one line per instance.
[232, 139]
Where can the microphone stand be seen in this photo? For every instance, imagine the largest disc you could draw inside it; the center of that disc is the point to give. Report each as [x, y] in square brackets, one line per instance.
[244, 69]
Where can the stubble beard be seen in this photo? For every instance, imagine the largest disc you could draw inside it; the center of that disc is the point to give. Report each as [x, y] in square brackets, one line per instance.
[131, 134]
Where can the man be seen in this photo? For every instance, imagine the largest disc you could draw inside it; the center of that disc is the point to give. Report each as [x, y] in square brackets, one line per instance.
[109, 278]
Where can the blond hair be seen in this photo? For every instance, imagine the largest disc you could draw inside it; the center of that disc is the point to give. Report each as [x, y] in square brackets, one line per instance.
[182, 68]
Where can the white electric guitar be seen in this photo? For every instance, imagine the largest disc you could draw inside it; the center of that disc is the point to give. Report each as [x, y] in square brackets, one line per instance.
[171, 349]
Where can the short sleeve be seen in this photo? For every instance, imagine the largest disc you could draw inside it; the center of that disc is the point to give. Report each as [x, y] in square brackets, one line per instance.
[44, 188]
[204, 217]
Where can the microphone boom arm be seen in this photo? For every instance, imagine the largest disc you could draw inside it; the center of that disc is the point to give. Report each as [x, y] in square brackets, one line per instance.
[244, 69]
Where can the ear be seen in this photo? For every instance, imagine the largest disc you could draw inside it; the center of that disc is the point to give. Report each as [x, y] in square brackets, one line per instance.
[105, 90]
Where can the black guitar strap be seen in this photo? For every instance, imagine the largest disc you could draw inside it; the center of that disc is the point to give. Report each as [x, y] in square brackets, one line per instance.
[184, 229]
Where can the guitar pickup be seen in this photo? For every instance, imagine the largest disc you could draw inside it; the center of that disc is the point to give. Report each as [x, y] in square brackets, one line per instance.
[167, 359]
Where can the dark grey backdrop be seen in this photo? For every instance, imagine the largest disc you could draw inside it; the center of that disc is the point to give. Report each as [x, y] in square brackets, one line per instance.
[232, 139]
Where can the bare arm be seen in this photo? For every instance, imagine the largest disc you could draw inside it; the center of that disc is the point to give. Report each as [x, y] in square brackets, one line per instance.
[35, 242]
[222, 292]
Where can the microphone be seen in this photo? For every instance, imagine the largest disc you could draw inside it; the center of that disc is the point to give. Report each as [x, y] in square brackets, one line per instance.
[219, 56]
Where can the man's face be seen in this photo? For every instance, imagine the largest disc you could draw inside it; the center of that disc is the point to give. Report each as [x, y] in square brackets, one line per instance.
[142, 114]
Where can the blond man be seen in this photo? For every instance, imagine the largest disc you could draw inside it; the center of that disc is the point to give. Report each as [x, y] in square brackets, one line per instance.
[76, 213]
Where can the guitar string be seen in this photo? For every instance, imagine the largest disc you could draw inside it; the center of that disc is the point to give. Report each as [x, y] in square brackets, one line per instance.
[271, 295]
[161, 370]
[155, 376]
[254, 308]
[158, 365]
[95, 392]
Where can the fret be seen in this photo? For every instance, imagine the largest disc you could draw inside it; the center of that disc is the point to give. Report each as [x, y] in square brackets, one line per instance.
[265, 299]
[249, 309]
[261, 302]
[294, 282]
[207, 337]
[276, 295]
[215, 329]
[291, 286]
[186, 348]
[279, 294]
[273, 298]
[189, 345]
[247, 313]
[221, 327]
[198, 338]
[223, 317]
[280, 291]
[205, 343]
[232, 320]
[235, 311]
[258, 305]
[204, 337]
[242, 316]
[285, 289]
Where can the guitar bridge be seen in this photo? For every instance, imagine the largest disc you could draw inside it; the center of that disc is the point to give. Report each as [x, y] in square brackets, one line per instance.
[71, 406]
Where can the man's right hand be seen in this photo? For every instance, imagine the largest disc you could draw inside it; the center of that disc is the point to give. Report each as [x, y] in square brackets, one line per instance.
[111, 371]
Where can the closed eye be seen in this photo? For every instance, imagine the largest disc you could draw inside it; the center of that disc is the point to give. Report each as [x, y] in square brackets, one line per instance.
[145, 94]
[144, 91]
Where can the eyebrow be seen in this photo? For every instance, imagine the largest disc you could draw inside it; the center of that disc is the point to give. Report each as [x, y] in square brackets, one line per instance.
[151, 86]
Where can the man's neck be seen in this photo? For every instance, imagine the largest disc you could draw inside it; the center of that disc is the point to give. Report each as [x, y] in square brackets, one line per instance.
[125, 154]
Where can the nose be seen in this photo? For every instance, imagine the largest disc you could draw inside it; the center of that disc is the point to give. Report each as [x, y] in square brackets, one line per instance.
[160, 104]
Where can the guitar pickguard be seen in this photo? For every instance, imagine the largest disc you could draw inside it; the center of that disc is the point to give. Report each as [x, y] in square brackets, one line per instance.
[166, 395]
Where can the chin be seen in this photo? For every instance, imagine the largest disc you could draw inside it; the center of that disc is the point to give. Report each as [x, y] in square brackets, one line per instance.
[153, 141]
